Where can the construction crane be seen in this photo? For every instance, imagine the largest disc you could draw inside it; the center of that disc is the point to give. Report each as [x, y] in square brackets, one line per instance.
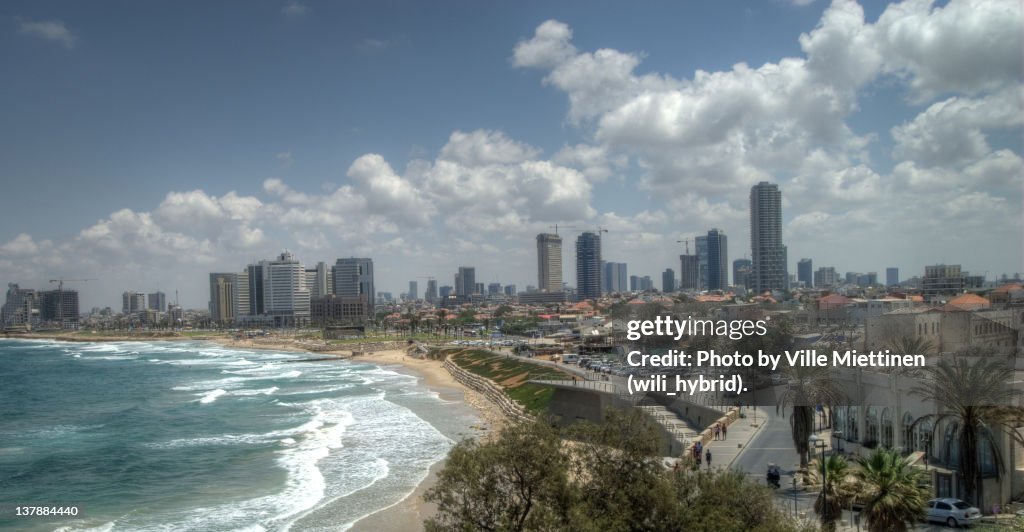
[555, 227]
[60, 295]
[687, 242]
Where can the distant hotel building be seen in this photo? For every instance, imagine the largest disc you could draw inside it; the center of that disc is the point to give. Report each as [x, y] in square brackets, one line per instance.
[285, 295]
[157, 301]
[353, 277]
[769, 269]
[804, 272]
[549, 262]
[717, 260]
[465, 281]
[892, 276]
[942, 280]
[826, 277]
[132, 303]
[668, 281]
[588, 266]
[223, 297]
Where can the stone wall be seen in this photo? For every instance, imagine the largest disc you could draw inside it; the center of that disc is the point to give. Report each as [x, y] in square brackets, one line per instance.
[491, 391]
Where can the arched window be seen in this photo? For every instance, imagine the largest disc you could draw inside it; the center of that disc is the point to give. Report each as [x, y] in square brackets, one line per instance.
[924, 439]
[871, 426]
[950, 444]
[887, 430]
[852, 429]
[910, 443]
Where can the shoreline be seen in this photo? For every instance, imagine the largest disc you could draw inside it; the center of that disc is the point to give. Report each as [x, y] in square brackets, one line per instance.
[410, 511]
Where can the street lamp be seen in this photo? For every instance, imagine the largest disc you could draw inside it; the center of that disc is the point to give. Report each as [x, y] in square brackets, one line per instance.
[820, 443]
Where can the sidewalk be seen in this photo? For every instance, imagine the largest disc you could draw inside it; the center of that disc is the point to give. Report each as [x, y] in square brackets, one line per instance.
[740, 432]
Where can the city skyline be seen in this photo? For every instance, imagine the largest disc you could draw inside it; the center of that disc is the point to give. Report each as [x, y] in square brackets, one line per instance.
[164, 170]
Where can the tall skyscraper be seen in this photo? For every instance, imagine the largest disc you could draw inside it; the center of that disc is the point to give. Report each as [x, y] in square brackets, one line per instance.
[588, 266]
[414, 290]
[157, 301]
[431, 295]
[613, 277]
[223, 299]
[769, 267]
[255, 289]
[242, 294]
[549, 262]
[805, 272]
[718, 260]
[132, 302]
[741, 272]
[285, 295]
[318, 280]
[668, 281]
[700, 246]
[689, 272]
[892, 276]
[354, 277]
[465, 281]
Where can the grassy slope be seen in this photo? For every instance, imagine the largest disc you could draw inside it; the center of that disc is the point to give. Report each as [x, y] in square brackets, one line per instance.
[511, 373]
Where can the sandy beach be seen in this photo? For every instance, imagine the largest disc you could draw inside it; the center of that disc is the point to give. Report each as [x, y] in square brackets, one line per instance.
[409, 513]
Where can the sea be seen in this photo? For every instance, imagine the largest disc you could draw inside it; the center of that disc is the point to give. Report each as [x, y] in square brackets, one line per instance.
[196, 436]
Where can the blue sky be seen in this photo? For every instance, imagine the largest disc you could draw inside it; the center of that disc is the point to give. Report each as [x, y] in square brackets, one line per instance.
[146, 144]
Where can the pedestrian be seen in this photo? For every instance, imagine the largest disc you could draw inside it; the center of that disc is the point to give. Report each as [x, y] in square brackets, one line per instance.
[718, 431]
[725, 432]
[707, 456]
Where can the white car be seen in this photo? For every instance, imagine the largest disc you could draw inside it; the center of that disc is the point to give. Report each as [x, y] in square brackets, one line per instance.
[953, 512]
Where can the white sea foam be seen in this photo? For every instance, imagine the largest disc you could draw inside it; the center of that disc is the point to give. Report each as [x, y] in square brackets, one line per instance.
[212, 396]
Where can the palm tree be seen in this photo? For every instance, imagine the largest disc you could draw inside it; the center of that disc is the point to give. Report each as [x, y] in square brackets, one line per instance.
[976, 399]
[808, 386]
[838, 490]
[890, 488]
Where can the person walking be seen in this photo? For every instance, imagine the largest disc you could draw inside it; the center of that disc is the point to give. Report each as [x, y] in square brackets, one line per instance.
[707, 456]
[718, 431]
[725, 432]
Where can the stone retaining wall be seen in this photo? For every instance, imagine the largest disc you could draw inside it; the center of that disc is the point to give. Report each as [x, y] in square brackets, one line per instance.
[491, 391]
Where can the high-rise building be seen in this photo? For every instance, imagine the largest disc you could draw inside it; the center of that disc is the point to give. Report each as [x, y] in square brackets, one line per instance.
[431, 295]
[414, 290]
[354, 277]
[132, 302]
[60, 306]
[242, 294]
[444, 292]
[20, 306]
[510, 290]
[465, 281]
[285, 295]
[701, 250]
[223, 297]
[668, 281]
[255, 278]
[634, 283]
[494, 289]
[942, 280]
[892, 276]
[741, 272]
[805, 272]
[588, 266]
[689, 272]
[826, 276]
[318, 280]
[769, 269]
[549, 262]
[157, 301]
[614, 277]
[717, 260]
[479, 288]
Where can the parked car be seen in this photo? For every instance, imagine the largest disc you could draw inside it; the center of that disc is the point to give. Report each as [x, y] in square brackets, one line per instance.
[953, 512]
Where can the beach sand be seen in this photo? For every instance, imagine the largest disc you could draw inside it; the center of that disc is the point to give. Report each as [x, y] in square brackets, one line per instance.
[409, 513]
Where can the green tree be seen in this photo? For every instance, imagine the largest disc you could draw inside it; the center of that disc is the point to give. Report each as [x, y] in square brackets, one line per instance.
[838, 490]
[516, 482]
[890, 489]
[808, 386]
[976, 398]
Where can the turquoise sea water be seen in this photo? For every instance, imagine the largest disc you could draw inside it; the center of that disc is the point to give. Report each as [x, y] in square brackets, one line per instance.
[194, 436]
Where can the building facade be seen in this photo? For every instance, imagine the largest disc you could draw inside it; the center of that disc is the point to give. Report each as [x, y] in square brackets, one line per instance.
[718, 260]
[588, 266]
[769, 269]
[549, 262]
